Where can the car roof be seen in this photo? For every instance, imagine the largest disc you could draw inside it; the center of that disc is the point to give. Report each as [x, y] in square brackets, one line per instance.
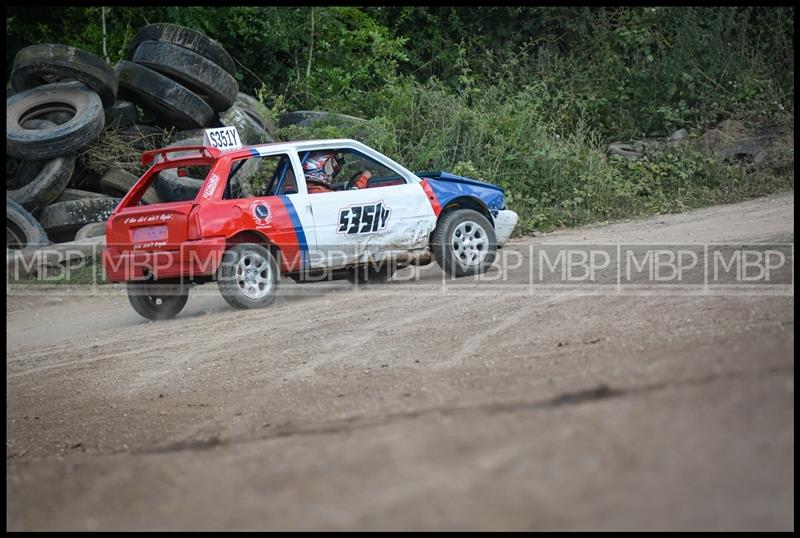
[298, 145]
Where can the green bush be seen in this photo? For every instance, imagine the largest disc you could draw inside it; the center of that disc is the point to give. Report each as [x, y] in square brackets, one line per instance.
[552, 176]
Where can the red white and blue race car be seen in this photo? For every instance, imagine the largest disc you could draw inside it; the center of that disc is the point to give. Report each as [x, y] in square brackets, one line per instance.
[297, 209]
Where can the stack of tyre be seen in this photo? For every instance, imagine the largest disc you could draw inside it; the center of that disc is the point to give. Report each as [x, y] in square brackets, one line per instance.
[187, 80]
[61, 99]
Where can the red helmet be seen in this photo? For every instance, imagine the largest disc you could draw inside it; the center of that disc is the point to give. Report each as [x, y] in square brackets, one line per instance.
[321, 167]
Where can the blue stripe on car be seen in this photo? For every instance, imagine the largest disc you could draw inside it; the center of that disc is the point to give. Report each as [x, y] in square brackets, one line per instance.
[298, 228]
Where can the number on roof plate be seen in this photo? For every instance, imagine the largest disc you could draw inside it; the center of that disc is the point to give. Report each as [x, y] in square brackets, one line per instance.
[222, 138]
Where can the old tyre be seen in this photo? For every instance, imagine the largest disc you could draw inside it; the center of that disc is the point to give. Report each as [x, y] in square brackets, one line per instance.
[94, 229]
[154, 300]
[46, 186]
[56, 117]
[306, 118]
[186, 38]
[172, 188]
[117, 183]
[26, 171]
[84, 178]
[204, 78]
[66, 139]
[258, 111]
[744, 154]
[23, 232]
[168, 101]
[463, 243]
[248, 276]
[626, 151]
[38, 183]
[42, 64]
[62, 220]
[121, 114]
[70, 195]
[250, 131]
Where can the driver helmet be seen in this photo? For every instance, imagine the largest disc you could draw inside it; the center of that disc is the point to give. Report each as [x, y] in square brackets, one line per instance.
[321, 167]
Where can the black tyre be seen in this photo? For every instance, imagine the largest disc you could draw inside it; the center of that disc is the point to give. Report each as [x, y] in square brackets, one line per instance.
[23, 232]
[85, 179]
[47, 185]
[118, 182]
[94, 229]
[38, 183]
[62, 220]
[121, 114]
[306, 118]
[168, 101]
[153, 300]
[186, 38]
[258, 111]
[41, 64]
[26, 171]
[248, 276]
[56, 117]
[744, 154]
[70, 195]
[463, 243]
[627, 151]
[172, 188]
[250, 131]
[66, 139]
[204, 78]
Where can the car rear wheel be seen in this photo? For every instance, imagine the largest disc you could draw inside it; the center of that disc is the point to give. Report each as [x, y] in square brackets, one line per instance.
[464, 243]
[248, 276]
[155, 301]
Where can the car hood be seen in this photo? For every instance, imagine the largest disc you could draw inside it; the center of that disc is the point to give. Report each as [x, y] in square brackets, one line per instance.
[448, 186]
[447, 176]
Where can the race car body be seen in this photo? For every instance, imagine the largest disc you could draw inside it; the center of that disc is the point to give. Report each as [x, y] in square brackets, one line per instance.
[254, 206]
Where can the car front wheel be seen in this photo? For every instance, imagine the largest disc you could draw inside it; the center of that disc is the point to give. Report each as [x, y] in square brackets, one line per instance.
[464, 243]
[248, 276]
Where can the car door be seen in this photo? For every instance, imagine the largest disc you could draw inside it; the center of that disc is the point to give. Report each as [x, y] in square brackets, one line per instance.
[354, 226]
[262, 195]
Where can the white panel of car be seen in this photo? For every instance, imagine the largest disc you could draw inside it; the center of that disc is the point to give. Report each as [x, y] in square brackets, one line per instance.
[359, 225]
[343, 227]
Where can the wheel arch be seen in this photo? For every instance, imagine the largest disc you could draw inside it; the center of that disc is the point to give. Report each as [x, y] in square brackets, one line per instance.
[254, 236]
[467, 202]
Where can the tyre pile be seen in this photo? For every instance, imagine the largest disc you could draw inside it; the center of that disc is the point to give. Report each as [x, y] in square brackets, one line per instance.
[62, 101]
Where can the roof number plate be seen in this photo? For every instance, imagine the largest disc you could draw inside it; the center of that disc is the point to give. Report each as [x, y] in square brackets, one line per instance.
[222, 138]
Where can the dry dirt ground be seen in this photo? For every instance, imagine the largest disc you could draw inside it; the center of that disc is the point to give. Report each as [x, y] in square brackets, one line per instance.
[484, 404]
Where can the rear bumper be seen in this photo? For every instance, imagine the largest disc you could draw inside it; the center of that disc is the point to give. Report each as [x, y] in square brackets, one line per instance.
[193, 259]
[504, 223]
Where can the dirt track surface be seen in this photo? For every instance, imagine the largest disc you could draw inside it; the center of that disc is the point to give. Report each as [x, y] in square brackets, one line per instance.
[414, 405]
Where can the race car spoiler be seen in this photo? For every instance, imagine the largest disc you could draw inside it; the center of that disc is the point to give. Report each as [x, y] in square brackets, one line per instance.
[205, 151]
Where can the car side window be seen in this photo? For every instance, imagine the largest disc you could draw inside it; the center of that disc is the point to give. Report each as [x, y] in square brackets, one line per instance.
[353, 165]
[260, 176]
